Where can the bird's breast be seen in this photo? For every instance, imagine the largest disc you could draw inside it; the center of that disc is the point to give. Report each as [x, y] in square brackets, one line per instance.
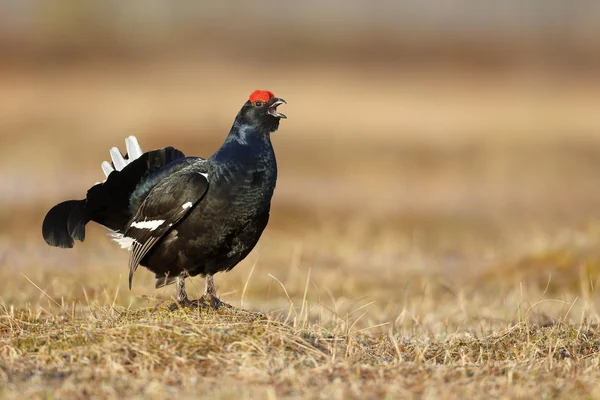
[239, 191]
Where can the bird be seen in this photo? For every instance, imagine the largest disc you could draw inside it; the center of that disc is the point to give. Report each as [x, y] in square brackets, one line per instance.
[182, 216]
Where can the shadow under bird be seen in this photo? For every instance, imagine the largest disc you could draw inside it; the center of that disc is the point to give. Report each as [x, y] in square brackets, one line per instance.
[183, 216]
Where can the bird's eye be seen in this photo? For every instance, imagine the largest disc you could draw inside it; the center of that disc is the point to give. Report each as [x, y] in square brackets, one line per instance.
[258, 103]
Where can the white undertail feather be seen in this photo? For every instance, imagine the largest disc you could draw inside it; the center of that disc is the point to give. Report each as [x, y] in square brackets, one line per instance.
[106, 168]
[187, 205]
[134, 151]
[117, 158]
[123, 241]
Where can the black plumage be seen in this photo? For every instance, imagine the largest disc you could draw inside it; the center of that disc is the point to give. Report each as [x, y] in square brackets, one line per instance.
[185, 216]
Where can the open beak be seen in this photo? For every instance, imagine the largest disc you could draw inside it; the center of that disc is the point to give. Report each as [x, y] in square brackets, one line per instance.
[272, 110]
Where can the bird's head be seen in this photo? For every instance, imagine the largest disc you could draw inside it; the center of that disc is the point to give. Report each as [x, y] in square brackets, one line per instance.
[260, 111]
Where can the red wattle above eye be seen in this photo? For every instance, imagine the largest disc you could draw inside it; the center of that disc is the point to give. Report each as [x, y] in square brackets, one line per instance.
[263, 95]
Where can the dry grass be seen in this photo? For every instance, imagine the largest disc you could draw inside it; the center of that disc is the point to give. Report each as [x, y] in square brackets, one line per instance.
[455, 256]
[99, 340]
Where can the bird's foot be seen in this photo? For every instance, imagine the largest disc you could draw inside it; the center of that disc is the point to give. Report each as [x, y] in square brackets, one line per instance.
[206, 301]
[213, 301]
[181, 304]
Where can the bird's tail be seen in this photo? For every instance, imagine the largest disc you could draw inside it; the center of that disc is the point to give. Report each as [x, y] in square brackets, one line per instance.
[108, 202]
[64, 223]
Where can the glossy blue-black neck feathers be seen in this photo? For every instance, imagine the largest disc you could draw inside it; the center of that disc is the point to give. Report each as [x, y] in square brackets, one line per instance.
[250, 136]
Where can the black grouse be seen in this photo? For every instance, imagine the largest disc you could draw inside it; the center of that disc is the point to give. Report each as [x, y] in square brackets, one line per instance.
[183, 216]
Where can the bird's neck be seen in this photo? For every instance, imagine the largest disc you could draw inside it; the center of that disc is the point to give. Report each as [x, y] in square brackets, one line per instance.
[245, 144]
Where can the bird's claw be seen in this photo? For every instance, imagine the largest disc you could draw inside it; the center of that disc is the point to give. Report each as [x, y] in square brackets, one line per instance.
[206, 301]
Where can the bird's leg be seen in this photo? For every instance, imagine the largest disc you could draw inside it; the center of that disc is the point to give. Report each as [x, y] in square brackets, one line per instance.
[180, 290]
[209, 299]
[210, 294]
[210, 289]
[181, 299]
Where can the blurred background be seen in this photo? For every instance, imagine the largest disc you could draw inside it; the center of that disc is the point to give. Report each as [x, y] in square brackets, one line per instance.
[453, 138]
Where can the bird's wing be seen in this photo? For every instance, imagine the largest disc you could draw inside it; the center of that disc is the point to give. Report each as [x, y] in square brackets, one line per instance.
[166, 204]
[110, 203]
